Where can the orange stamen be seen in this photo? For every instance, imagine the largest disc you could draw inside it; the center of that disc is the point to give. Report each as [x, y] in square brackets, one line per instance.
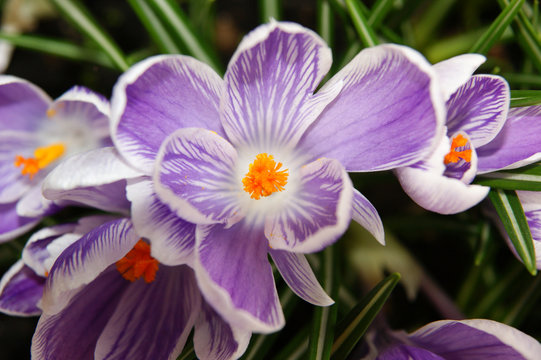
[454, 156]
[43, 156]
[138, 263]
[264, 177]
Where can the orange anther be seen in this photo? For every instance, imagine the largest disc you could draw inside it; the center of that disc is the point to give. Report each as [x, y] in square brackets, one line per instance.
[43, 156]
[138, 263]
[454, 156]
[264, 177]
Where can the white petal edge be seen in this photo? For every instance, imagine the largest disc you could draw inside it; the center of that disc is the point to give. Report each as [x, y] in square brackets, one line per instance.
[366, 215]
[8, 79]
[82, 94]
[456, 71]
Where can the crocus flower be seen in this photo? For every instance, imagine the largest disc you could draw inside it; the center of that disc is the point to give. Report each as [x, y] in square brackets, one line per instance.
[106, 297]
[452, 339]
[21, 287]
[36, 133]
[477, 108]
[259, 161]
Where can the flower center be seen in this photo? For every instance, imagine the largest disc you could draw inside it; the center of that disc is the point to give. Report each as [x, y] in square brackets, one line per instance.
[43, 156]
[264, 177]
[454, 156]
[138, 263]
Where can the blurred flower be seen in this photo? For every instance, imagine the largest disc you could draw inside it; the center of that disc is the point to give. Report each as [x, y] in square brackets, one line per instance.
[476, 339]
[107, 297]
[36, 133]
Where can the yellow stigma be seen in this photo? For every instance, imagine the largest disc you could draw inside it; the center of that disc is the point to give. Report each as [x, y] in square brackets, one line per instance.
[454, 156]
[138, 263]
[264, 177]
[43, 156]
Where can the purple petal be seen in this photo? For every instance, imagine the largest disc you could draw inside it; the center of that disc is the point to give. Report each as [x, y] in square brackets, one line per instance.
[22, 105]
[172, 238]
[158, 96]
[194, 174]
[235, 276]
[20, 291]
[73, 332]
[389, 113]
[407, 352]
[479, 108]
[80, 104]
[36, 254]
[108, 197]
[456, 71]
[13, 225]
[318, 213]
[215, 339]
[269, 85]
[297, 273]
[516, 145]
[366, 215]
[152, 321]
[476, 339]
[85, 259]
[531, 204]
[33, 204]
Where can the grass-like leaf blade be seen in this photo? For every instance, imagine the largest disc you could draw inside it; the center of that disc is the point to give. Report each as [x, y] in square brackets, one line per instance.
[525, 97]
[365, 31]
[355, 324]
[81, 18]
[527, 178]
[514, 221]
[497, 28]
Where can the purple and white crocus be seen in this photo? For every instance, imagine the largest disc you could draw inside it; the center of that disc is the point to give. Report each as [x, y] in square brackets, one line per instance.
[36, 133]
[258, 161]
[476, 339]
[483, 136]
[106, 297]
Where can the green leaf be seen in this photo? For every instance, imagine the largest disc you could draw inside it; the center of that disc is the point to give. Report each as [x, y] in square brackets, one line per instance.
[58, 48]
[525, 97]
[365, 31]
[155, 28]
[83, 20]
[526, 35]
[378, 12]
[325, 21]
[497, 28]
[514, 221]
[524, 304]
[181, 30]
[352, 328]
[188, 353]
[324, 319]
[270, 9]
[525, 178]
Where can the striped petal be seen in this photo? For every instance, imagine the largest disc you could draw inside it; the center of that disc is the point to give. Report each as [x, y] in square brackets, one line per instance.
[193, 175]
[172, 238]
[269, 85]
[476, 339]
[235, 276]
[215, 339]
[158, 96]
[84, 260]
[516, 145]
[366, 215]
[298, 274]
[20, 291]
[479, 108]
[531, 204]
[73, 332]
[388, 114]
[317, 214]
[456, 71]
[152, 321]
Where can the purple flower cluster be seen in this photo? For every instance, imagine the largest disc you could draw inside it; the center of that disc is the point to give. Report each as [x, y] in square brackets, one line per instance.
[206, 178]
